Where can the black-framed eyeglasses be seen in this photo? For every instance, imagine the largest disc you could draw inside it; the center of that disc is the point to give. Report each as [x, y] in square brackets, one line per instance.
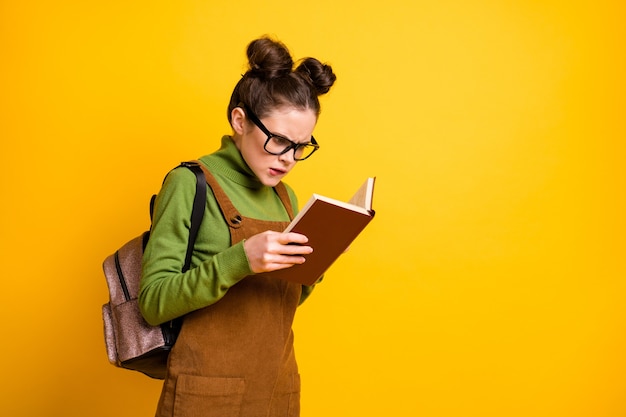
[279, 145]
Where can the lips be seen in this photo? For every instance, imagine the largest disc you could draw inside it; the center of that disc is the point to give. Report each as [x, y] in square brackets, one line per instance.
[277, 171]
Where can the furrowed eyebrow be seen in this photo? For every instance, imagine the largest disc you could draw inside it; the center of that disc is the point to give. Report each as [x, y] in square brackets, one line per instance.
[292, 141]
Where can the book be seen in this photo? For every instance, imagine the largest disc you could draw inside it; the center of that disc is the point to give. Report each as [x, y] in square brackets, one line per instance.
[331, 226]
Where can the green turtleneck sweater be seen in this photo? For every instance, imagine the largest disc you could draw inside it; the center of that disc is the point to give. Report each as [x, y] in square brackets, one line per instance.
[165, 292]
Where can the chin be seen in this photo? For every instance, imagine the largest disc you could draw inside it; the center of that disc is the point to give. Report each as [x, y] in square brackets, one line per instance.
[270, 182]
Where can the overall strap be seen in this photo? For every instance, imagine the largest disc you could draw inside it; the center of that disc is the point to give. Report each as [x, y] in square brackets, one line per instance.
[281, 190]
[232, 216]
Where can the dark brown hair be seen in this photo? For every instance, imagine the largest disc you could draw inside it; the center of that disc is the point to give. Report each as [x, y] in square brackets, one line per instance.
[271, 80]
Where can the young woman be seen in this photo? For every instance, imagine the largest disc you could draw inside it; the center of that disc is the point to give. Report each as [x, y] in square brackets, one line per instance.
[234, 355]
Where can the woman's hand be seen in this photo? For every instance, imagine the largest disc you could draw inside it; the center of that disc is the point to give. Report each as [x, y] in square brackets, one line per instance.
[270, 251]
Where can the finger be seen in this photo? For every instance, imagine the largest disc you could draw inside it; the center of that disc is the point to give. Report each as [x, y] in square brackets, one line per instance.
[288, 260]
[292, 237]
[295, 250]
[279, 262]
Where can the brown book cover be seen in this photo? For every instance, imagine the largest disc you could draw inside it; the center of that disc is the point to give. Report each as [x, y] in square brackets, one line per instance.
[331, 226]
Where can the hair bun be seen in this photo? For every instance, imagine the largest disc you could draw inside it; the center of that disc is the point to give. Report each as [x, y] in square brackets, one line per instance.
[272, 82]
[268, 59]
[320, 75]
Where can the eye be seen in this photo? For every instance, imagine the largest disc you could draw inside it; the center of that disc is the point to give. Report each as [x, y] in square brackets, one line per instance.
[281, 141]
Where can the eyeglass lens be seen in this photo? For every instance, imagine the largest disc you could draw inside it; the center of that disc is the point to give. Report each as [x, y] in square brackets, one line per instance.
[278, 145]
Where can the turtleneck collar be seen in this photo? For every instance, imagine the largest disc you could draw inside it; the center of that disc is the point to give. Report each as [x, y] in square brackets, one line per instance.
[228, 162]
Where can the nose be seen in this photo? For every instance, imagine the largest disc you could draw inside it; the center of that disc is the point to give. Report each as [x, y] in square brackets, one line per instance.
[288, 157]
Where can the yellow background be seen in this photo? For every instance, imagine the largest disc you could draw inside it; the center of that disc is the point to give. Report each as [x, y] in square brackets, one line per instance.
[491, 282]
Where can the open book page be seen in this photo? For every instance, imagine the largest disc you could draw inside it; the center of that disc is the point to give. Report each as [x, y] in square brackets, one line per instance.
[363, 196]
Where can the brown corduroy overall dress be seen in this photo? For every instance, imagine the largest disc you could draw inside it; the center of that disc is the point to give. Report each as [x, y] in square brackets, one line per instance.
[236, 357]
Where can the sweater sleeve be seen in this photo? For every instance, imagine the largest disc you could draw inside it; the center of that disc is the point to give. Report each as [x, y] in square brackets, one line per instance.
[165, 291]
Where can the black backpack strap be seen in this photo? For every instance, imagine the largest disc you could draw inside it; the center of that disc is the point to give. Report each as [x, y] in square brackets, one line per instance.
[197, 212]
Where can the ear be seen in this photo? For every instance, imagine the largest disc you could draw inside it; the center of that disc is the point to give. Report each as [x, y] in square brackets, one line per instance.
[237, 120]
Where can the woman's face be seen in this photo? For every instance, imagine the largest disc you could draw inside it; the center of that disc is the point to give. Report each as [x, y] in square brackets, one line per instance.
[296, 125]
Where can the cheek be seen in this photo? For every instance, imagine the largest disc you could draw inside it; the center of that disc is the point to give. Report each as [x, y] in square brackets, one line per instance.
[254, 154]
